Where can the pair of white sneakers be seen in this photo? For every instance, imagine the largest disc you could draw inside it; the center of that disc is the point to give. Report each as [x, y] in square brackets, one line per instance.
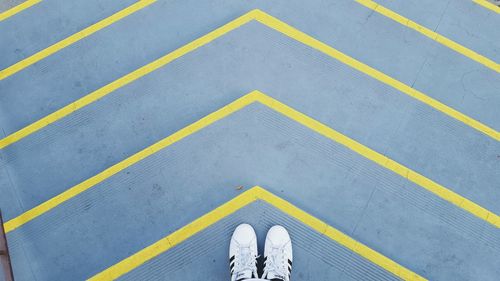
[277, 254]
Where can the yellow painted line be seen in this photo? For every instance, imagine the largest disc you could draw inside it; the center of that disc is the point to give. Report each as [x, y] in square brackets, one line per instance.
[488, 5]
[177, 237]
[324, 48]
[81, 187]
[74, 38]
[272, 23]
[380, 159]
[242, 200]
[124, 80]
[289, 112]
[17, 9]
[431, 34]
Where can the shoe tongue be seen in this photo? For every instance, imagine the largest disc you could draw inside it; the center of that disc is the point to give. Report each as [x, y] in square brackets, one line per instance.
[242, 275]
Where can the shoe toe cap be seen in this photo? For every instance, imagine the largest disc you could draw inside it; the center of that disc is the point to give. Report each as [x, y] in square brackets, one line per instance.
[244, 234]
[278, 235]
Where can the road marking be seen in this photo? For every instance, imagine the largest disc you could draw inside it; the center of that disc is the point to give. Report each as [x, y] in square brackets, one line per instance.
[124, 80]
[228, 208]
[17, 9]
[272, 23]
[488, 5]
[74, 38]
[431, 34]
[287, 111]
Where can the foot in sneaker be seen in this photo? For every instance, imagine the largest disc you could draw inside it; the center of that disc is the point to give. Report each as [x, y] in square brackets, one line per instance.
[243, 253]
[278, 255]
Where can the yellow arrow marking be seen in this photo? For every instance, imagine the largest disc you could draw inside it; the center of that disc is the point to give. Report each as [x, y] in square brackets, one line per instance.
[289, 112]
[274, 24]
[228, 208]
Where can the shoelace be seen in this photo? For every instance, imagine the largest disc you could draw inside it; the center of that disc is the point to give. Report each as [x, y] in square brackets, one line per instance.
[246, 261]
[275, 263]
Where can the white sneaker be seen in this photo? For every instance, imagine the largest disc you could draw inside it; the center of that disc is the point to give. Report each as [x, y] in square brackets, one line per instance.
[243, 253]
[278, 255]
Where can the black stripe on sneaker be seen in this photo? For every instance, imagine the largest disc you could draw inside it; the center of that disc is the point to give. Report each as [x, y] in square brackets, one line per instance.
[290, 262]
[231, 263]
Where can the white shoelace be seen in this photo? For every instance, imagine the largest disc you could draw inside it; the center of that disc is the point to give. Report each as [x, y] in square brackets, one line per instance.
[276, 264]
[246, 262]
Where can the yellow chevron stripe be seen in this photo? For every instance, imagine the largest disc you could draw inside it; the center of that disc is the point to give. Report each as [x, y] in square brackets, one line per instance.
[74, 38]
[17, 9]
[488, 5]
[129, 78]
[289, 112]
[318, 45]
[431, 34]
[272, 23]
[242, 200]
